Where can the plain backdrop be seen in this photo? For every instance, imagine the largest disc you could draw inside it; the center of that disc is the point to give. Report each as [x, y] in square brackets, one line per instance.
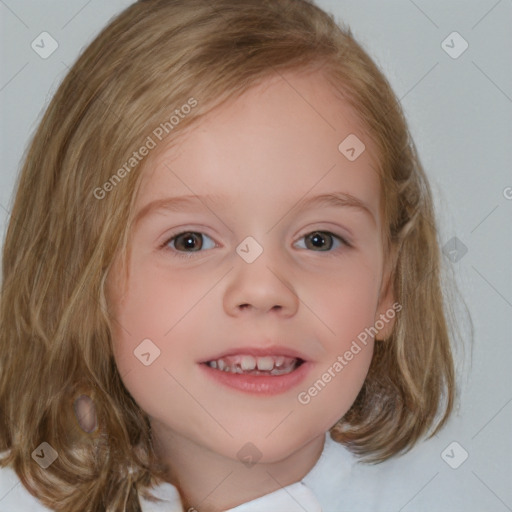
[459, 107]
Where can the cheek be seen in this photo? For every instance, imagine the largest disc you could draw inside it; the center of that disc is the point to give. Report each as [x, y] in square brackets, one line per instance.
[151, 331]
[140, 315]
[333, 389]
[344, 301]
[344, 306]
[156, 301]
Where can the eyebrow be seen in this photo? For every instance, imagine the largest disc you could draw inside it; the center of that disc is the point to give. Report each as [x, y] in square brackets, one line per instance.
[175, 204]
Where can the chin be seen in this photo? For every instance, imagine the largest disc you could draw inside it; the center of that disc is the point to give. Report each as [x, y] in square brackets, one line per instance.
[273, 449]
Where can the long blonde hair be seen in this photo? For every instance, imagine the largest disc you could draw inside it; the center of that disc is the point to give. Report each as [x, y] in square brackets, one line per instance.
[55, 331]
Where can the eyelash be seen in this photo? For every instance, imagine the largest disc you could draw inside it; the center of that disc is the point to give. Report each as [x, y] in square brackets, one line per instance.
[188, 255]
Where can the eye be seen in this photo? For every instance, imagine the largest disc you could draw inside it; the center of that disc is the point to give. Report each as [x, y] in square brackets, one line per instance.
[324, 241]
[186, 242]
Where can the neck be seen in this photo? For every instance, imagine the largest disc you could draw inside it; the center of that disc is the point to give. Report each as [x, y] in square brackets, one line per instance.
[210, 482]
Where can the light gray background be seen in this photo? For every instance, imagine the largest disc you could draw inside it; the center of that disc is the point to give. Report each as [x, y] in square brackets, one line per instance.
[460, 115]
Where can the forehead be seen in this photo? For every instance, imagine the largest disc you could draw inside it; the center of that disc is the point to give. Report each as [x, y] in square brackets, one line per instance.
[289, 134]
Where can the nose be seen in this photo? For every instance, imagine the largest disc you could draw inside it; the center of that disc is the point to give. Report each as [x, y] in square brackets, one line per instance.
[260, 287]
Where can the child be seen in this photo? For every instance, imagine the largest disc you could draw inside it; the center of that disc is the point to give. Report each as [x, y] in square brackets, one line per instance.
[299, 328]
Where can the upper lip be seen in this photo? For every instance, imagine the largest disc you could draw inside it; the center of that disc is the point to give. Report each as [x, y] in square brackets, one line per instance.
[274, 350]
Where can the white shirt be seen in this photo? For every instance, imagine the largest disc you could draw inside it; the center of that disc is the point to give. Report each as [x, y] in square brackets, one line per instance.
[337, 483]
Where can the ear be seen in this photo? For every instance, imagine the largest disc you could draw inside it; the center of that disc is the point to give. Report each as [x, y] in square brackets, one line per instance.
[85, 412]
[387, 307]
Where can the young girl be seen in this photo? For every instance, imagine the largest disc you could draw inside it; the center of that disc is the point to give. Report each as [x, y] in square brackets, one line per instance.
[221, 275]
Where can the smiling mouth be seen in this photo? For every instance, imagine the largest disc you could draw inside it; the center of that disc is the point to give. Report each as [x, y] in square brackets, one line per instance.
[250, 365]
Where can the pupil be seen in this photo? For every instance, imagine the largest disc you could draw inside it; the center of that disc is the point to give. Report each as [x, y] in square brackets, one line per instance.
[318, 239]
[189, 240]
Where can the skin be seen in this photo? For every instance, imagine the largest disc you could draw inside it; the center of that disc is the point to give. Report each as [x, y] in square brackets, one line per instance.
[265, 151]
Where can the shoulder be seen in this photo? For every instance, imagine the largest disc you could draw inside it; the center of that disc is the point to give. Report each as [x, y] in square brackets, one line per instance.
[13, 495]
[343, 483]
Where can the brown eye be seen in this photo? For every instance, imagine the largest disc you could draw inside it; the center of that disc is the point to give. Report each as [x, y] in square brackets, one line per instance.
[188, 241]
[319, 240]
[323, 241]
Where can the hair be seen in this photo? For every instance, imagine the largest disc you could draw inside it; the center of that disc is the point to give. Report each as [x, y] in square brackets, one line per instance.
[61, 240]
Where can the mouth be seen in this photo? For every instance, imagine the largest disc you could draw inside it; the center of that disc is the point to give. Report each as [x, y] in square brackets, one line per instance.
[258, 371]
[260, 365]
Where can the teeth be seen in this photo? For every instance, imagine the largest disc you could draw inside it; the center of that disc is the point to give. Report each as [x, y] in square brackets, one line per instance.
[279, 361]
[275, 365]
[265, 363]
[249, 363]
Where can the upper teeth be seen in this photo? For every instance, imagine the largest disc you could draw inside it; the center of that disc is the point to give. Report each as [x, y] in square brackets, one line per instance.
[248, 362]
[263, 363]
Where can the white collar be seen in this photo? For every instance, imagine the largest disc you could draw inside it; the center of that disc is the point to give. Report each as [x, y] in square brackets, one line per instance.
[321, 483]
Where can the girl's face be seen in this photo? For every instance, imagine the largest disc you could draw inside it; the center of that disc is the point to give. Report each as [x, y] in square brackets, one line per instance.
[264, 268]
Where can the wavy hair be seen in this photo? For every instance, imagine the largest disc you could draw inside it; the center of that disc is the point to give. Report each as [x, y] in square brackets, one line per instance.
[55, 330]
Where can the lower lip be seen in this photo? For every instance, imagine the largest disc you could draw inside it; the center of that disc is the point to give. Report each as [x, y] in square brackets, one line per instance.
[259, 384]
